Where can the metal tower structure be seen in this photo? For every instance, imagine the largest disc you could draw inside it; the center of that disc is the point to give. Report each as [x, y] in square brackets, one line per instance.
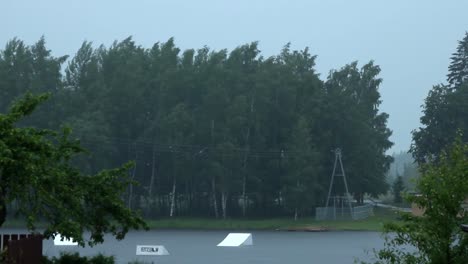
[335, 197]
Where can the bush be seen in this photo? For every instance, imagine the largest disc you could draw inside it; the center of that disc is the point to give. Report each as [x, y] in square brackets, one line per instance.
[436, 236]
[75, 258]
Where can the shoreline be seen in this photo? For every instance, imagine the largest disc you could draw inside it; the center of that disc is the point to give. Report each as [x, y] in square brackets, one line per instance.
[306, 224]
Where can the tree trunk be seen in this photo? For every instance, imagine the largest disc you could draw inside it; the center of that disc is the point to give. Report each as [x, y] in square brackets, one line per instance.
[223, 203]
[130, 194]
[297, 202]
[187, 201]
[247, 147]
[244, 180]
[150, 198]
[3, 211]
[244, 197]
[153, 173]
[174, 178]
[360, 198]
[215, 204]
[213, 183]
[173, 194]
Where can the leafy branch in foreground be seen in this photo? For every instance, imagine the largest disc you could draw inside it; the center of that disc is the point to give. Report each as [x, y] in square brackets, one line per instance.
[36, 173]
[436, 236]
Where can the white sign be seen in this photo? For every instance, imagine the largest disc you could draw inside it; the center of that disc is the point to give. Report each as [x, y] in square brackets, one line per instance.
[62, 241]
[151, 250]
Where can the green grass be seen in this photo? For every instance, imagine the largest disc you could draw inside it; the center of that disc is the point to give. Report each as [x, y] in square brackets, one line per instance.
[218, 224]
[373, 223]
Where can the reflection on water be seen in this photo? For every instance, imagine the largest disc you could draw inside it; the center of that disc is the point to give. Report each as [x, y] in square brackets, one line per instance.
[268, 247]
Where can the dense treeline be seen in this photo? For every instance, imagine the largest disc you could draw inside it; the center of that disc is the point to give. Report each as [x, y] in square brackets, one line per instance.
[213, 133]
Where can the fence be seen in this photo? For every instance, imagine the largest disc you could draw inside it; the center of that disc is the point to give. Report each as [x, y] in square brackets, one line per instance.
[343, 213]
[22, 248]
[363, 211]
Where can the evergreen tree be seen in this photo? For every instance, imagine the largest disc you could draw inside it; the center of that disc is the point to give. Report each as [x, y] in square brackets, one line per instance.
[458, 68]
[445, 110]
[397, 189]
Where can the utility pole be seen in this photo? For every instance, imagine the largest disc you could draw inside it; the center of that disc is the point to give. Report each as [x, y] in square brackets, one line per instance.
[335, 196]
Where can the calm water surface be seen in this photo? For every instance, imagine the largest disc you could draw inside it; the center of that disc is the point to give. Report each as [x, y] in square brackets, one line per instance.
[268, 247]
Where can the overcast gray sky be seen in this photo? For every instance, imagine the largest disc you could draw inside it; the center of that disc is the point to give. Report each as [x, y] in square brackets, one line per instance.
[411, 40]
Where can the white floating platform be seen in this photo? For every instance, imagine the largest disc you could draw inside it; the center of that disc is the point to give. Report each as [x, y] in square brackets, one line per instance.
[65, 242]
[151, 250]
[236, 240]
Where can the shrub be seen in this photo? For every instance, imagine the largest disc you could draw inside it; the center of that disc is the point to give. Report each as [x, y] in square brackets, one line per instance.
[75, 258]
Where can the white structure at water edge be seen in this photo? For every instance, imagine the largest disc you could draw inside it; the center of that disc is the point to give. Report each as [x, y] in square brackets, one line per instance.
[65, 242]
[236, 240]
[151, 250]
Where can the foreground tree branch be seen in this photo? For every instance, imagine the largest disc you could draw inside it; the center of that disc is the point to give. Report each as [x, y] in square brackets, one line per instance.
[36, 172]
[435, 237]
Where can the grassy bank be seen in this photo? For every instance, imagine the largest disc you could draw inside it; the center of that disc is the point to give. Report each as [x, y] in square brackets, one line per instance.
[373, 223]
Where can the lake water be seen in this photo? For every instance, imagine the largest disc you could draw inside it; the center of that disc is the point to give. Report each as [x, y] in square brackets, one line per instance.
[272, 247]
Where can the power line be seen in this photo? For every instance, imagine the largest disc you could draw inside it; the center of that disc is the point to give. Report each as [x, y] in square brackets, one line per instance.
[143, 144]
